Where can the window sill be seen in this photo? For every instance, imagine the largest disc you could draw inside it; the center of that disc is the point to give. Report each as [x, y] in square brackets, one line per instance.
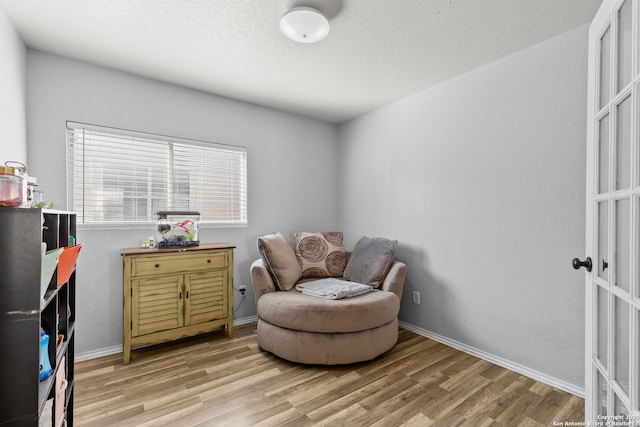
[151, 225]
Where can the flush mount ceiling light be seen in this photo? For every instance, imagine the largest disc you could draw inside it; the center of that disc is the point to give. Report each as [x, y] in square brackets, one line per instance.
[304, 25]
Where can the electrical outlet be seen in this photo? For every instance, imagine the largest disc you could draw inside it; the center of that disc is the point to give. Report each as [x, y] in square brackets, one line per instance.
[416, 297]
[242, 289]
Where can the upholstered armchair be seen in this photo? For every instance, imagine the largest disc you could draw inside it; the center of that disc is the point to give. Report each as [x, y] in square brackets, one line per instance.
[307, 329]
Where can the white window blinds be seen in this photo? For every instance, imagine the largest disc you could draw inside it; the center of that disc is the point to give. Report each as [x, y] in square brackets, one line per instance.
[118, 176]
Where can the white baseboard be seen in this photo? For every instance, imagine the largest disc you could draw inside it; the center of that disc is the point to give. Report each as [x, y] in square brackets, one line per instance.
[523, 370]
[245, 320]
[108, 351]
[94, 354]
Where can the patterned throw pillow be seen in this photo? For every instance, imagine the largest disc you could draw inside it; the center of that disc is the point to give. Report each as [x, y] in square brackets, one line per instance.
[320, 254]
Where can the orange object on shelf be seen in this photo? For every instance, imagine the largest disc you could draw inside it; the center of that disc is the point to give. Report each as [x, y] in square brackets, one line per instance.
[67, 262]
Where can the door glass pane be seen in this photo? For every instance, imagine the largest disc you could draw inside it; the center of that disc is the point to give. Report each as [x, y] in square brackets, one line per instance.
[619, 409]
[625, 47]
[605, 72]
[603, 155]
[637, 360]
[637, 121]
[621, 344]
[601, 395]
[603, 240]
[603, 326]
[623, 242]
[638, 45]
[623, 144]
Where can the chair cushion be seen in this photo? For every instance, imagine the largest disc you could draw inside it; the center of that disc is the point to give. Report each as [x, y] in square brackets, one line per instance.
[294, 310]
[320, 254]
[370, 261]
[280, 260]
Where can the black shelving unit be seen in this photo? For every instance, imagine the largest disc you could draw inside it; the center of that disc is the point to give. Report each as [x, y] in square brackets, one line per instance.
[23, 311]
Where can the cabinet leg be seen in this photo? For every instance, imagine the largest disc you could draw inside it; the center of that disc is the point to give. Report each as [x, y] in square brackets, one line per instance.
[126, 355]
[230, 330]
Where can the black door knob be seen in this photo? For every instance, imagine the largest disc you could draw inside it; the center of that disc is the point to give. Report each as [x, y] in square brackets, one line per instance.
[586, 263]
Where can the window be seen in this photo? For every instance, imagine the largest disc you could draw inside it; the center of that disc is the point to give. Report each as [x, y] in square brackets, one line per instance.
[116, 176]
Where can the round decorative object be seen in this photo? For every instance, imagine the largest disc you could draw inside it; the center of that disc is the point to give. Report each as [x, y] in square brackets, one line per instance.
[313, 249]
[333, 237]
[335, 263]
[304, 25]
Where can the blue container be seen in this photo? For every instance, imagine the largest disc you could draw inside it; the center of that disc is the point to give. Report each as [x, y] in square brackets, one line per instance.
[45, 366]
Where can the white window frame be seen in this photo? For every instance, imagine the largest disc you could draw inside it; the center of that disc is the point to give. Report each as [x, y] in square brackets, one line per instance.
[235, 156]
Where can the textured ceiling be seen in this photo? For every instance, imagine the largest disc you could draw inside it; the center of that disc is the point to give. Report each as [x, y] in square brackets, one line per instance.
[377, 51]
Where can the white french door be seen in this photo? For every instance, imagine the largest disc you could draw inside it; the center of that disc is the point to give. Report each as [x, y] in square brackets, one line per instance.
[612, 374]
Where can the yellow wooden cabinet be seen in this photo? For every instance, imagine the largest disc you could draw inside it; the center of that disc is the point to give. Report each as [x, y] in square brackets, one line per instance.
[174, 293]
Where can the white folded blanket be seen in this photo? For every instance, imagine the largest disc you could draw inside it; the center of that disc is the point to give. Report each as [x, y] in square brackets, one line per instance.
[332, 288]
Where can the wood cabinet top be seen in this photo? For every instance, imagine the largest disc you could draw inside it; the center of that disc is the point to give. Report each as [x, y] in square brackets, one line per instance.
[152, 251]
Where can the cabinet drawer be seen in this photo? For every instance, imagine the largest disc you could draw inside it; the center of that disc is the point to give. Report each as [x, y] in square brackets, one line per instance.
[164, 264]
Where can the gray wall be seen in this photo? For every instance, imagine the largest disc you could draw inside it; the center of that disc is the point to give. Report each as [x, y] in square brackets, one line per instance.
[482, 181]
[13, 124]
[281, 198]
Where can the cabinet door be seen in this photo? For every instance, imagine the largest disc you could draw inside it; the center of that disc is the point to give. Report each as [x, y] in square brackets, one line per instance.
[157, 304]
[206, 296]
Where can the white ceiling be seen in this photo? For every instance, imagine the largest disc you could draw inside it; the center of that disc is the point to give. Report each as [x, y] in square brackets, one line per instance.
[377, 51]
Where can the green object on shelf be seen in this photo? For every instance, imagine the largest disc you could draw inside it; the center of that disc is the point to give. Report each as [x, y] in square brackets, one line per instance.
[49, 263]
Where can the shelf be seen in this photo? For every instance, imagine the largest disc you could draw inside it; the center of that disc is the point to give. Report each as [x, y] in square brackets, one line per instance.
[48, 297]
[65, 344]
[22, 394]
[69, 392]
[44, 390]
[47, 385]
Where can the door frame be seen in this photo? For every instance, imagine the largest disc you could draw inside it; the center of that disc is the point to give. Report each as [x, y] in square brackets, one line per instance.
[606, 16]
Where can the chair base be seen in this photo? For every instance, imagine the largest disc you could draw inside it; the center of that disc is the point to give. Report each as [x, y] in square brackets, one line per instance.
[317, 348]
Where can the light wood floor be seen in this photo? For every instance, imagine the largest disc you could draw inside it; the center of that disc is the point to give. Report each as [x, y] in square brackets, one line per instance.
[217, 381]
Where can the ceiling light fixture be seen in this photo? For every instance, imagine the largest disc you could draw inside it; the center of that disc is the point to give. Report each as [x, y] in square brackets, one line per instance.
[304, 25]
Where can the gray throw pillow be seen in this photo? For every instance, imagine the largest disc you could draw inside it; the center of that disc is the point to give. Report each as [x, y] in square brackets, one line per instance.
[370, 261]
[280, 260]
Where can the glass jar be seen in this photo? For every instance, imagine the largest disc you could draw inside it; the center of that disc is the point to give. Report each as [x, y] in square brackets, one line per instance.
[12, 186]
[177, 229]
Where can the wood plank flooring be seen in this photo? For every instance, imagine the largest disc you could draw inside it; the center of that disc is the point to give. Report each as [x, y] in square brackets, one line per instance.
[217, 381]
